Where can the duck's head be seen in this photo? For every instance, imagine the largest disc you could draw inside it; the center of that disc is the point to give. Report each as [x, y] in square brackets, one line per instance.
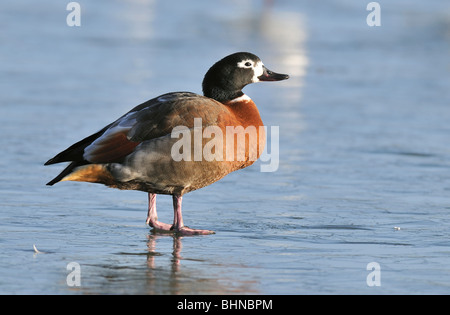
[225, 80]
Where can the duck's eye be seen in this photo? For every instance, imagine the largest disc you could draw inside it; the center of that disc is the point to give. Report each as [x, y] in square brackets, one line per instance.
[245, 64]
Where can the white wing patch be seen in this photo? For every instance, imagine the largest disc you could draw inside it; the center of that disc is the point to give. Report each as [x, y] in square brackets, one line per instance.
[105, 141]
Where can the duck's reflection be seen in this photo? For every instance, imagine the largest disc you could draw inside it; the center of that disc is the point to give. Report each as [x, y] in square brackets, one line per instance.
[163, 271]
[175, 274]
[152, 252]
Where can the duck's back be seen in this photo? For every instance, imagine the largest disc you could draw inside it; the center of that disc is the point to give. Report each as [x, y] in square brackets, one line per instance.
[204, 140]
[174, 143]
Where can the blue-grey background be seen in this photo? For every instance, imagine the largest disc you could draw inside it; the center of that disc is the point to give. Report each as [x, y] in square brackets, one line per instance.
[364, 148]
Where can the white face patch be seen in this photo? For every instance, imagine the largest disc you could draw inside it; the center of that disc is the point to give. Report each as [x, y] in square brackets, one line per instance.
[250, 64]
[246, 64]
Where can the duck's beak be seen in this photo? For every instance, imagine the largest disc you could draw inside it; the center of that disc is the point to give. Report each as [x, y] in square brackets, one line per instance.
[272, 76]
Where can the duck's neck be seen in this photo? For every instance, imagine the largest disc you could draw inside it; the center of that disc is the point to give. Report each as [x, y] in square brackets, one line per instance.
[220, 94]
[242, 98]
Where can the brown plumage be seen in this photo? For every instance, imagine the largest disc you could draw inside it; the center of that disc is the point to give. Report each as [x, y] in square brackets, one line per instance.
[136, 151]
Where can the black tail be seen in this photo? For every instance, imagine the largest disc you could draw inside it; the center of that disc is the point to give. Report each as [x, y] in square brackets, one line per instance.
[73, 154]
[75, 151]
[65, 172]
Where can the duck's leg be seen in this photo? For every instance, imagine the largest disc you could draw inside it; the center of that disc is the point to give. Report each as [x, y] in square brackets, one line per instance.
[178, 225]
[152, 217]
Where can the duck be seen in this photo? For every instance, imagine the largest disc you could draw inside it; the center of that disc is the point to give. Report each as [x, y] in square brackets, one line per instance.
[165, 145]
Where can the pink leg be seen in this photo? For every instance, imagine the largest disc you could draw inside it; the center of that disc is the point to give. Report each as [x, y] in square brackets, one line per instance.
[178, 225]
[152, 217]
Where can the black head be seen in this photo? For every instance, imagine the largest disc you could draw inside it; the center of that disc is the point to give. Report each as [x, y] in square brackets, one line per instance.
[225, 80]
